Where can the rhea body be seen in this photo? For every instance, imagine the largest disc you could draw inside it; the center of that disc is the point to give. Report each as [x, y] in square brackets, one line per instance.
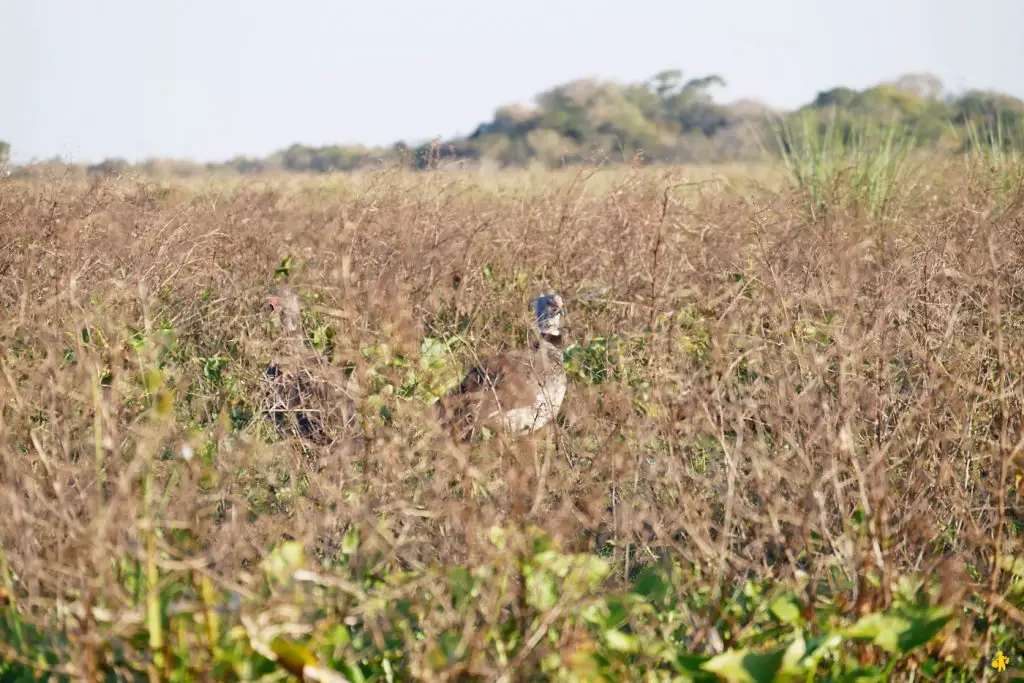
[304, 392]
[518, 392]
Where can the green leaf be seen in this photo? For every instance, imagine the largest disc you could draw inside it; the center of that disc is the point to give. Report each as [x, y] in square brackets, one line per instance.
[615, 613]
[284, 268]
[793, 655]
[284, 560]
[350, 541]
[135, 338]
[541, 590]
[817, 648]
[584, 568]
[338, 637]
[863, 674]
[743, 666]
[447, 650]
[901, 630]
[786, 609]
[1012, 564]
[293, 658]
[651, 585]
[153, 379]
[858, 516]
[450, 642]
[498, 537]
[691, 664]
[542, 544]
[432, 348]
[621, 642]
[461, 583]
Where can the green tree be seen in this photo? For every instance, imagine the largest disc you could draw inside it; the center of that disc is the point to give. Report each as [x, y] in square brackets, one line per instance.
[693, 108]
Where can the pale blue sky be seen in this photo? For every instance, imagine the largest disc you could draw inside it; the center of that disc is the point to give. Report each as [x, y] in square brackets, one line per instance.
[209, 79]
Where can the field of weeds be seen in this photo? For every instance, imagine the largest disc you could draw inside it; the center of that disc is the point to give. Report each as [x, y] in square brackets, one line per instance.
[789, 446]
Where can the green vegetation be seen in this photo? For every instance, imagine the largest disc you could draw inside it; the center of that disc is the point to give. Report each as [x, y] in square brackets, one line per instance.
[668, 118]
[532, 604]
[790, 448]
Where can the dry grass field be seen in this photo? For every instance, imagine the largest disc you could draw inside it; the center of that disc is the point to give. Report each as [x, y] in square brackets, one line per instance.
[790, 444]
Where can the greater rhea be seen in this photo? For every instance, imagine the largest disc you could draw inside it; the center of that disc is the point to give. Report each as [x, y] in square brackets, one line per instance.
[518, 392]
[301, 399]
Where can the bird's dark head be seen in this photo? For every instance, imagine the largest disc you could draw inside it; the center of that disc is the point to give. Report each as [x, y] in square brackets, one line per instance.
[549, 310]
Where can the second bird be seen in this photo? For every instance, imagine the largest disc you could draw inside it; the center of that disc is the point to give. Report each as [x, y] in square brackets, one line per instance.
[518, 392]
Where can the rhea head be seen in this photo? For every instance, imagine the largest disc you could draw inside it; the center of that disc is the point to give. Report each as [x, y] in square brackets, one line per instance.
[549, 310]
[284, 304]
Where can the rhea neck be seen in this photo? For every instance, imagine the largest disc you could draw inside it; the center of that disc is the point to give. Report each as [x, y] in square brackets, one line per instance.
[553, 338]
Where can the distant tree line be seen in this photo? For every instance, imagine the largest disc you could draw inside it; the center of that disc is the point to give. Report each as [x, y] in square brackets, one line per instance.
[667, 118]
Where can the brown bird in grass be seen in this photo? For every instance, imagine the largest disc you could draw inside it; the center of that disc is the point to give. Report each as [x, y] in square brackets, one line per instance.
[517, 392]
[302, 400]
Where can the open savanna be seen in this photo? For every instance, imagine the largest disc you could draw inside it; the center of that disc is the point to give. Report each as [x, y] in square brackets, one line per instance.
[789, 446]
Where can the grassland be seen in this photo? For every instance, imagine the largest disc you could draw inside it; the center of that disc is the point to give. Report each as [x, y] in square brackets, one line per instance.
[790, 444]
